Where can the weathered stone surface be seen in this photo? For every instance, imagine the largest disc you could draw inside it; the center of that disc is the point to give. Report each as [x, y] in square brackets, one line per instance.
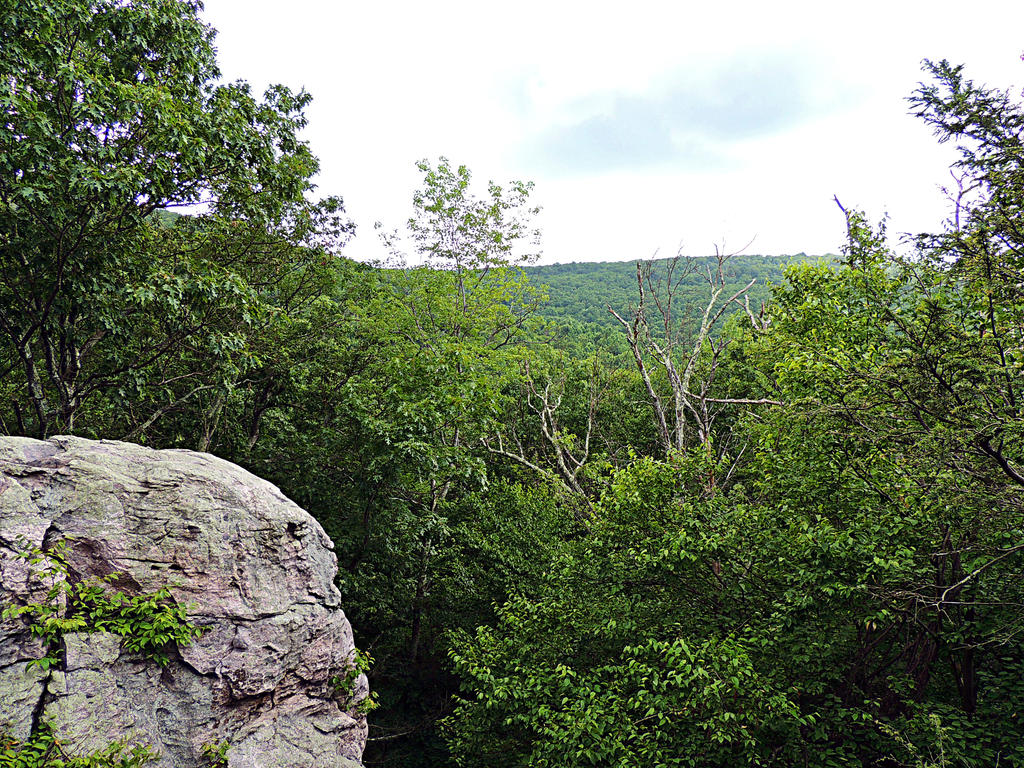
[254, 569]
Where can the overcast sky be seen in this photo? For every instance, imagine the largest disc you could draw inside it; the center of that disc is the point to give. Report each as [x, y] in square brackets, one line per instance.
[646, 127]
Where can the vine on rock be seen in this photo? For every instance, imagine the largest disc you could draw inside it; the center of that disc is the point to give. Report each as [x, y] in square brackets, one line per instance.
[150, 624]
[44, 750]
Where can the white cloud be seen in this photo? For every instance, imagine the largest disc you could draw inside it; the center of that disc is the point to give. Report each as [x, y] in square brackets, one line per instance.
[642, 127]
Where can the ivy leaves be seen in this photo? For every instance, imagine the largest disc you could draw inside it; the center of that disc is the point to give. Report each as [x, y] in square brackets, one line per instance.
[44, 750]
[148, 624]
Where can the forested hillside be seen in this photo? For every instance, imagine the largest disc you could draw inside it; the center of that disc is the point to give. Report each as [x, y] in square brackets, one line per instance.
[714, 533]
[583, 291]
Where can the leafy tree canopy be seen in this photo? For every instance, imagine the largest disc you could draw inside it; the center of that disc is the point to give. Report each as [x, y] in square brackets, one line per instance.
[111, 112]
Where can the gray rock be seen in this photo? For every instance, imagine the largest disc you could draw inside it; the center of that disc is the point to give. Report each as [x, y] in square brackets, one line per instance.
[255, 570]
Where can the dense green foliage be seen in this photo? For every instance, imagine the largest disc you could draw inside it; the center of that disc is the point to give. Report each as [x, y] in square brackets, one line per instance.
[43, 750]
[684, 532]
[584, 291]
[110, 113]
[852, 596]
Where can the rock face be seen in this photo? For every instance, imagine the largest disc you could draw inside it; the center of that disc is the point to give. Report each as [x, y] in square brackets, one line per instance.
[254, 570]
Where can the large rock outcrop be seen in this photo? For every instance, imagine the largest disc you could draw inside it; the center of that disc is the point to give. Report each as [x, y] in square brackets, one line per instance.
[254, 570]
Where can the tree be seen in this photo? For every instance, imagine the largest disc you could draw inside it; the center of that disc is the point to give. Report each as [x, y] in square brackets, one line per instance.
[565, 422]
[853, 597]
[681, 343]
[210, 340]
[110, 112]
[456, 231]
[625, 655]
[389, 417]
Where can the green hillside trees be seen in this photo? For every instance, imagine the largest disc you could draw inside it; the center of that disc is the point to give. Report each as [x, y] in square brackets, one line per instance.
[853, 595]
[111, 112]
